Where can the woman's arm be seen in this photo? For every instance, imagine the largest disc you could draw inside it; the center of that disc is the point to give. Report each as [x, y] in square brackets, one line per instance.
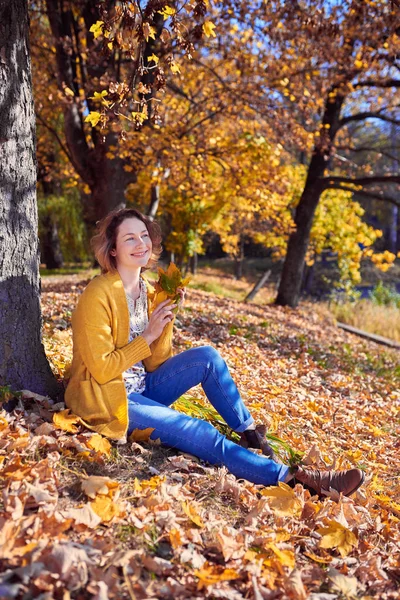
[93, 338]
[161, 349]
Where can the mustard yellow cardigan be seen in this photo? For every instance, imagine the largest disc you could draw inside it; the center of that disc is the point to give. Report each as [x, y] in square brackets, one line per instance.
[101, 353]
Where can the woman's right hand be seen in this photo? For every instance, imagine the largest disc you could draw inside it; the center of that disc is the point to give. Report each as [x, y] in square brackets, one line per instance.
[158, 320]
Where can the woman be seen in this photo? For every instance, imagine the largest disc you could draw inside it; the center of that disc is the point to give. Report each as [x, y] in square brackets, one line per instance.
[124, 377]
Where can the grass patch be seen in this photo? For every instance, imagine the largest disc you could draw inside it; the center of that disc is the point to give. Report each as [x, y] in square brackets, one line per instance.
[72, 269]
[368, 316]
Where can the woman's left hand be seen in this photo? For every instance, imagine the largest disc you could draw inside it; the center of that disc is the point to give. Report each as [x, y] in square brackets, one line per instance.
[182, 293]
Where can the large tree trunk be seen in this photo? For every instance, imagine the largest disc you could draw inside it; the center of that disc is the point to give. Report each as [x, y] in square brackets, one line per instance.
[23, 362]
[292, 273]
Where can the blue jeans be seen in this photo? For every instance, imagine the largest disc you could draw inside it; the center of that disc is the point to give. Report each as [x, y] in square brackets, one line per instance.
[175, 377]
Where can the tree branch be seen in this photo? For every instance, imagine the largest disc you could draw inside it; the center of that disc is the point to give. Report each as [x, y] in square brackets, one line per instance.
[55, 134]
[365, 194]
[383, 84]
[366, 115]
[327, 181]
[381, 151]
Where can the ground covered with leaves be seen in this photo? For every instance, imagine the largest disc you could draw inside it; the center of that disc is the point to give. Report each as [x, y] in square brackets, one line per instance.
[83, 518]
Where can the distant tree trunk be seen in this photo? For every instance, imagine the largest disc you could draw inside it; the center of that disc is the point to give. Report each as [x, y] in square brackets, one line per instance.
[194, 261]
[292, 273]
[239, 259]
[23, 363]
[394, 210]
[154, 201]
[51, 254]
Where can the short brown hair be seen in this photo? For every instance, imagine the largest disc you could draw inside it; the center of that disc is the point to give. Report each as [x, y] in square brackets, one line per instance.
[107, 230]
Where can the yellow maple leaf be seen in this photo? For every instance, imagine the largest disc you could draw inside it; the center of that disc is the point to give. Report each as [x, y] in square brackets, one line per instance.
[283, 500]
[148, 32]
[68, 92]
[208, 28]
[66, 421]
[168, 283]
[105, 508]
[175, 538]
[93, 118]
[100, 97]
[175, 68]
[141, 435]
[96, 484]
[191, 512]
[139, 117]
[210, 575]
[97, 29]
[285, 557]
[167, 11]
[153, 58]
[100, 444]
[335, 535]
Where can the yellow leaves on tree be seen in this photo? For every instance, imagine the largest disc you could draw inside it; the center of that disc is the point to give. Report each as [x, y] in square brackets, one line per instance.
[208, 28]
[148, 32]
[97, 29]
[167, 12]
[93, 118]
[336, 535]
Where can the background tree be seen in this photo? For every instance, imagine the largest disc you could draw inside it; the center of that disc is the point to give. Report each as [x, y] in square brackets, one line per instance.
[22, 360]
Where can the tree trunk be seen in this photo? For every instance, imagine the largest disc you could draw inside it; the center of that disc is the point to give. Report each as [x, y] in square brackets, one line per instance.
[51, 254]
[108, 187]
[194, 263]
[106, 177]
[23, 363]
[292, 273]
[239, 259]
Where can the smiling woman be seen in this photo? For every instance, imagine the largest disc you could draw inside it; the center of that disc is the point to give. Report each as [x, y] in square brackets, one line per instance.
[124, 376]
[104, 243]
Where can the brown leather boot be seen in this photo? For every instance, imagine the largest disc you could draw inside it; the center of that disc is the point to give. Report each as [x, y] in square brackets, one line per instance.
[345, 482]
[255, 438]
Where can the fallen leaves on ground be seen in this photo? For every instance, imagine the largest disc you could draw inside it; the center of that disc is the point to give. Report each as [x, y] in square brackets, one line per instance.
[81, 517]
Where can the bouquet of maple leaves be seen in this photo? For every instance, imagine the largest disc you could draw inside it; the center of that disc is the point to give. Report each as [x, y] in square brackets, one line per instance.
[168, 284]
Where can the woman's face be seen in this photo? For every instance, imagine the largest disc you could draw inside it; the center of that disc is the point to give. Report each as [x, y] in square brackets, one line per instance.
[133, 244]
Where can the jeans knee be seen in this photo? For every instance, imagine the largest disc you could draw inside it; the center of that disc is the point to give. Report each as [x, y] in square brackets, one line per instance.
[210, 356]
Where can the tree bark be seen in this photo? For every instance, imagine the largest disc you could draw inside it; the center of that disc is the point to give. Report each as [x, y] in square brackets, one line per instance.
[292, 273]
[23, 364]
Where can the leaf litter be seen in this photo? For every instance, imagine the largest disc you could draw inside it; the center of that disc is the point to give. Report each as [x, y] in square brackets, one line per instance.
[83, 518]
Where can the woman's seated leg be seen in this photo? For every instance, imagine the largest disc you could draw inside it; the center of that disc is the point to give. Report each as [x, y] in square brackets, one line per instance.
[200, 365]
[201, 439]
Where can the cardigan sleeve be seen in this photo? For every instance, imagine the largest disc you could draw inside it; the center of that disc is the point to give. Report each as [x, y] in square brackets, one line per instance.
[93, 336]
[161, 348]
